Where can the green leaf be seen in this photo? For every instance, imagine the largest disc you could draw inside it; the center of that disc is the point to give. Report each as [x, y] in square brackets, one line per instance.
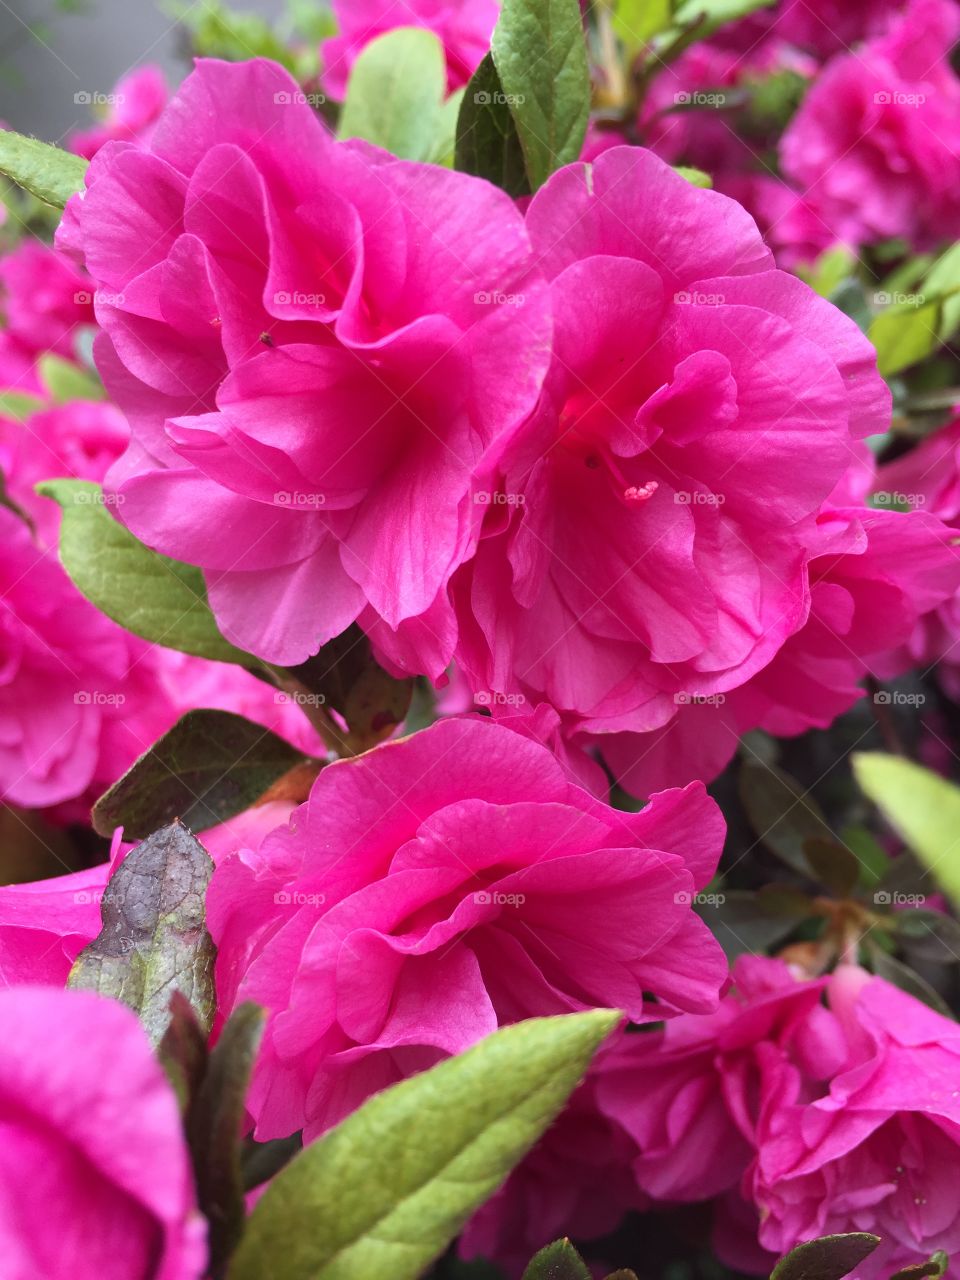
[696, 177]
[488, 144]
[709, 15]
[159, 599]
[923, 807]
[873, 858]
[48, 173]
[781, 812]
[395, 96]
[541, 57]
[367, 1200]
[936, 1266]
[636, 22]
[829, 1258]
[558, 1261]
[154, 941]
[66, 381]
[943, 278]
[745, 923]
[208, 767]
[906, 979]
[833, 865]
[19, 405]
[221, 32]
[904, 336]
[214, 1125]
[928, 935]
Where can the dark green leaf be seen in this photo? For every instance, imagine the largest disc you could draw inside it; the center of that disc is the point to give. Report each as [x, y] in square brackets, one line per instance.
[154, 941]
[829, 1258]
[366, 1200]
[902, 976]
[833, 865]
[183, 1050]
[744, 924]
[208, 767]
[873, 858]
[488, 145]
[46, 172]
[936, 1266]
[262, 1161]
[214, 1125]
[558, 1261]
[929, 935]
[540, 55]
[782, 813]
[159, 599]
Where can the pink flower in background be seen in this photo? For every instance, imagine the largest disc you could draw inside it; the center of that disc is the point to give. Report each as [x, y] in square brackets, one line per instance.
[821, 27]
[45, 300]
[438, 887]
[875, 146]
[876, 1147]
[321, 352]
[45, 924]
[132, 110]
[644, 547]
[577, 1181]
[876, 576]
[464, 28]
[95, 1177]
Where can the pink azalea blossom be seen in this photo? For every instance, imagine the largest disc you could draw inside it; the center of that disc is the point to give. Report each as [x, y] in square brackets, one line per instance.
[321, 351]
[648, 541]
[95, 1176]
[876, 577]
[45, 924]
[438, 887]
[875, 146]
[133, 109]
[464, 28]
[45, 300]
[820, 27]
[577, 1181]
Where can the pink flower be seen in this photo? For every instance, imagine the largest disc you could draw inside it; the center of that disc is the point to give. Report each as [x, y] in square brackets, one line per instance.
[576, 1181]
[133, 109]
[464, 28]
[648, 539]
[876, 1147]
[875, 577]
[45, 300]
[875, 147]
[321, 351]
[44, 925]
[438, 887]
[95, 1177]
[821, 27]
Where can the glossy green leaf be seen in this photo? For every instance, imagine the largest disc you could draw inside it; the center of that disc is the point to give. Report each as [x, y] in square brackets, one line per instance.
[210, 766]
[558, 1261]
[540, 55]
[829, 1258]
[488, 144]
[385, 1192]
[154, 597]
[47, 172]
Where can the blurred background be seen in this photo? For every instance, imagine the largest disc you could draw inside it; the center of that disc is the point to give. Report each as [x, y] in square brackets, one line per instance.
[52, 50]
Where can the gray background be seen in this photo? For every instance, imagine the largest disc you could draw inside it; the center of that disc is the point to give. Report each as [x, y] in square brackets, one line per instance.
[82, 52]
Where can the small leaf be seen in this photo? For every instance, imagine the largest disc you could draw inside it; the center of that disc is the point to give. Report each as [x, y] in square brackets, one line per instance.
[396, 92]
[214, 1125]
[541, 57]
[711, 14]
[636, 22]
[696, 177]
[829, 1258]
[183, 1050]
[66, 381]
[873, 858]
[208, 767]
[488, 145]
[929, 935]
[936, 1266]
[366, 1201]
[154, 940]
[558, 1261]
[48, 173]
[833, 865]
[782, 813]
[19, 405]
[154, 597]
[744, 923]
[923, 807]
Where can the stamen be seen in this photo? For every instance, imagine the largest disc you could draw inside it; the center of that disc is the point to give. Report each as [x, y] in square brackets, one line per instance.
[642, 492]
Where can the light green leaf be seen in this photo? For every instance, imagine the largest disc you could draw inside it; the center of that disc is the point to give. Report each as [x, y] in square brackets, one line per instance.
[696, 177]
[46, 172]
[541, 57]
[923, 807]
[944, 279]
[19, 405]
[903, 336]
[395, 96]
[385, 1192]
[154, 597]
[637, 21]
[711, 14]
[66, 381]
